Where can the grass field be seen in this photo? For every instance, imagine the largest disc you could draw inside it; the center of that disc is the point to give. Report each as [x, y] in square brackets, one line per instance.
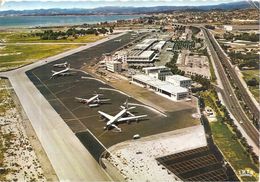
[232, 149]
[13, 56]
[249, 74]
[26, 37]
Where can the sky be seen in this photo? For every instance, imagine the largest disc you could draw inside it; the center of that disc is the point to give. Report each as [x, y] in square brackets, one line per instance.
[89, 4]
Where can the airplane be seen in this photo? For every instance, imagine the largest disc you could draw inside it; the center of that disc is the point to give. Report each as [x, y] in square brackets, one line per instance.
[93, 101]
[61, 73]
[117, 40]
[61, 65]
[112, 120]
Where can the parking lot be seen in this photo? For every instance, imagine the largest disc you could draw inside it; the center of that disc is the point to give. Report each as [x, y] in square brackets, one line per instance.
[201, 164]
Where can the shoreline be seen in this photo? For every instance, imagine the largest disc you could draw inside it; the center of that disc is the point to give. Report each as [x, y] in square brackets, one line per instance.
[60, 24]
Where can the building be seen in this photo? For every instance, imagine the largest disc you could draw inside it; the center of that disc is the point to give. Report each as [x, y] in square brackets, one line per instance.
[114, 66]
[159, 46]
[178, 80]
[228, 28]
[145, 44]
[194, 65]
[159, 72]
[163, 88]
[121, 56]
[144, 58]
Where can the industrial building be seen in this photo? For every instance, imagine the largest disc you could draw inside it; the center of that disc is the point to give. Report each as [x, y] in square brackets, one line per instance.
[159, 46]
[159, 72]
[114, 66]
[143, 58]
[163, 88]
[145, 44]
[178, 80]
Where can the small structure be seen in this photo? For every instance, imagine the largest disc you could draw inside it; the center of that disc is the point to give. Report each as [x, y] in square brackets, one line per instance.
[178, 80]
[228, 28]
[114, 66]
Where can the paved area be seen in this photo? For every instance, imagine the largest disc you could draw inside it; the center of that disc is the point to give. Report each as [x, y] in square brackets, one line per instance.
[69, 158]
[136, 159]
[85, 121]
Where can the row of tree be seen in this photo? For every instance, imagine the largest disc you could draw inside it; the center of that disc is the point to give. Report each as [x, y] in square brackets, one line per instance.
[225, 118]
[72, 32]
[244, 36]
[228, 120]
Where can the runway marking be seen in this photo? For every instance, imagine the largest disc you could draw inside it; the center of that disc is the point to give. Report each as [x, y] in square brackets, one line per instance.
[102, 134]
[66, 89]
[77, 107]
[148, 107]
[83, 117]
[90, 78]
[76, 118]
[60, 98]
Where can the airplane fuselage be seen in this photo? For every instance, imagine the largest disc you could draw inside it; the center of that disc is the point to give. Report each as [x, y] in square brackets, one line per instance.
[116, 117]
[60, 72]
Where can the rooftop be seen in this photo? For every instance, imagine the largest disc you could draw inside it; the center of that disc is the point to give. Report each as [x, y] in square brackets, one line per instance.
[163, 85]
[146, 54]
[155, 68]
[178, 78]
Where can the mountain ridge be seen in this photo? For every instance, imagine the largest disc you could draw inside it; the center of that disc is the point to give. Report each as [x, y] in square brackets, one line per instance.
[124, 10]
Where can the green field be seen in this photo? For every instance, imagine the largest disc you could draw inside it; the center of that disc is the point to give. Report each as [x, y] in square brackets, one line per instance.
[13, 56]
[26, 37]
[233, 151]
[249, 74]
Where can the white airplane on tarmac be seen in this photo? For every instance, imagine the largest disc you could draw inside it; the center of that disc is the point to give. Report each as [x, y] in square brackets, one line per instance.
[112, 120]
[61, 65]
[93, 101]
[61, 73]
[117, 40]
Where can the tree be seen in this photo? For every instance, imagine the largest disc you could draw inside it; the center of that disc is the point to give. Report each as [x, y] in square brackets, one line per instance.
[252, 82]
[111, 30]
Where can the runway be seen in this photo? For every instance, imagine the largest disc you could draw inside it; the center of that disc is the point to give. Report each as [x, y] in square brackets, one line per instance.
[69, 158]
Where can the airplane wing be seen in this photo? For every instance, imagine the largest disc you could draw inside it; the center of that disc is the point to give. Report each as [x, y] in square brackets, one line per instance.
[105, 115]
[79, 99]
[116, 127]
[104, 100]
[131, 118]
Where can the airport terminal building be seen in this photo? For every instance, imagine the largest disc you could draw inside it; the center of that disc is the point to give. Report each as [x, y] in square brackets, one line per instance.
[163, 88]
[159, 72]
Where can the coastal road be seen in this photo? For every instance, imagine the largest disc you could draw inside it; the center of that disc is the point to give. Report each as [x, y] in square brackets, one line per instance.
[69, 158]
[229, 96]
